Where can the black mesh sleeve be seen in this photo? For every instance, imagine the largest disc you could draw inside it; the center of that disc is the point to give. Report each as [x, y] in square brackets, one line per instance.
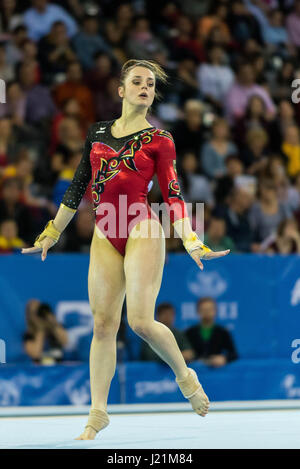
[81, 179]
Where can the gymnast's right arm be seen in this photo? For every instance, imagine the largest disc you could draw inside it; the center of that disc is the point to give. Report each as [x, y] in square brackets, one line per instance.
[68, 206]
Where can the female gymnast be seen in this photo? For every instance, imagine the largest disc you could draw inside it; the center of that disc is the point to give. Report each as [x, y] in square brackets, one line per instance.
[121, 157]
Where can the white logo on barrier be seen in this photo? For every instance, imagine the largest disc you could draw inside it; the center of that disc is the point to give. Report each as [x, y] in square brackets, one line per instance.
[188, 311]
[2, 351]
[295, 355]
[64, 308]
[9, 393]
[228, 311]
[78, 395]
[155, 387]
[288, 384]
[207, 284]
[2, 91]
[295, 295]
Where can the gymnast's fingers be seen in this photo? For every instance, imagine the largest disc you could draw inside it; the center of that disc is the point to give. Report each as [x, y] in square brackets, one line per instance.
[32, 250]
[214, 255]
[196, 258]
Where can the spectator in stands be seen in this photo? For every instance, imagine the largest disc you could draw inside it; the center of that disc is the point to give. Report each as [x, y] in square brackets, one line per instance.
[108, 104]
[188, 132]
[55, 52]
[165, 314]
[215, 235]
[217, 149]
[286, 240]
[254, 118]
[74, 87]
[211, 343]
[124, 17]
[274, 33]
[69, 108]
[280, 82]
[240, 92]
[80, 235]
[236, 215]
[287, 193]
[89, 42]
[71, 160]
[70, 134]
[41, 16]
[7, 71]
[44, 338]
[254, 155]
[184, 45]
[267, 212]
[285, 118]
[142, 42]
[185, 85]
[10, 17]
[8, 147]
[291, 149]
[224, 184]
[98, 76]
[216, 18]
[14, 52]
[243, 25]
[195, 187]
[9, 239]
[215, 77]
[11, 207]
[293, 24]
[114, 36]
[40, 107]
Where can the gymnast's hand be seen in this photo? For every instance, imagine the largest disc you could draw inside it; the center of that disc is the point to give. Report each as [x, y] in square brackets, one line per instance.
[45, 245]
[44, 241]
[197, 250]
[207, 256]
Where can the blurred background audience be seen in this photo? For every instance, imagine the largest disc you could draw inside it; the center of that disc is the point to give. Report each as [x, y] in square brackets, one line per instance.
[228, 104]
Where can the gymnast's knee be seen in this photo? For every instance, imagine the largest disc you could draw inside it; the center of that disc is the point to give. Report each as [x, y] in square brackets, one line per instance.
[141, 327]
[104, 328]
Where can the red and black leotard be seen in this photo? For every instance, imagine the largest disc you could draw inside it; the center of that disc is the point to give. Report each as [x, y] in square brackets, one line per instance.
[121, 170]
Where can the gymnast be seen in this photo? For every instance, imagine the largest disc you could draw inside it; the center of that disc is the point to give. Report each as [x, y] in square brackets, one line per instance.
[120, 158]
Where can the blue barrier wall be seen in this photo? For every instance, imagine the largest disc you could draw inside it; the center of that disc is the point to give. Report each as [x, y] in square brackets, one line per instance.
[258, 299]
[137, 382]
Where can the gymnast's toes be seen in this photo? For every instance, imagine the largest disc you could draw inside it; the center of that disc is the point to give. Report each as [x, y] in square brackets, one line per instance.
[88, 434]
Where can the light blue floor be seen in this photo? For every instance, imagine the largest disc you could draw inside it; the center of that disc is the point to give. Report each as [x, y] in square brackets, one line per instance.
[262, 429]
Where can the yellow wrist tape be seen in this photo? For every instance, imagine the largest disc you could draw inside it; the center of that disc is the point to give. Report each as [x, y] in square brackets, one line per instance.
[49, 232]
[192, 243]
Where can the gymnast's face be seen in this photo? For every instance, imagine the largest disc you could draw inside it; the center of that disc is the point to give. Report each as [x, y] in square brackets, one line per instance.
[139, 87]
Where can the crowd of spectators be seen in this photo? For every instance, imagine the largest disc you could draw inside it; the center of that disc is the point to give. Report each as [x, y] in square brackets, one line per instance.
[228, 105]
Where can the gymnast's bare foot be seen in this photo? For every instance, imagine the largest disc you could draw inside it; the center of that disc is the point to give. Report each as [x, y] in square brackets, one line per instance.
[200, 402]
[88, 434]
[193, 391]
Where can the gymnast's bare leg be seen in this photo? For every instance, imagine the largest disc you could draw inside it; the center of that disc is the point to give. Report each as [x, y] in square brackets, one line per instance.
[106, 285]
[143, 266]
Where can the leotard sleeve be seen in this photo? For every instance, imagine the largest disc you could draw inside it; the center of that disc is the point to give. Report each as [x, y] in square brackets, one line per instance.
[167, 176]
[81, 179]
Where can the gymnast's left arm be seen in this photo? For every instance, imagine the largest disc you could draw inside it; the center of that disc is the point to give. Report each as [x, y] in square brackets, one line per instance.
[168, 181]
